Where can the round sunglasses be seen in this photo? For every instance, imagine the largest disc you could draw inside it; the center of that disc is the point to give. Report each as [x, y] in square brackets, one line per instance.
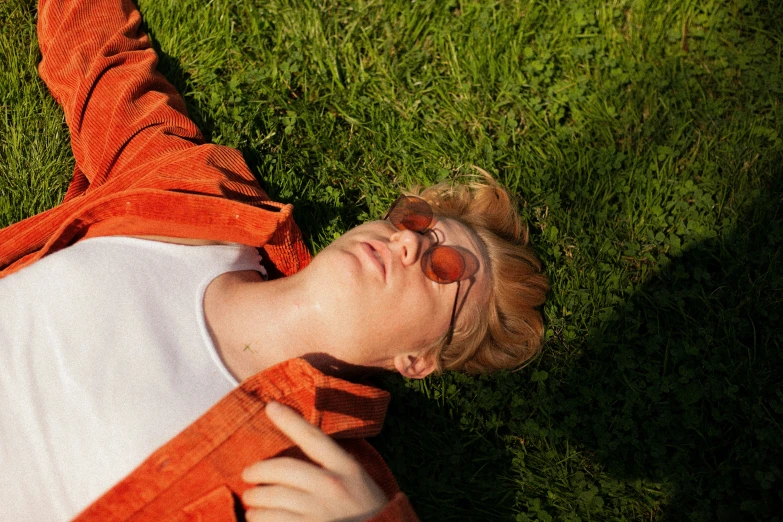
[443, 264]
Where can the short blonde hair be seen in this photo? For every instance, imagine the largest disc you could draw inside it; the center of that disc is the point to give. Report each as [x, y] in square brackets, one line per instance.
[509, 329]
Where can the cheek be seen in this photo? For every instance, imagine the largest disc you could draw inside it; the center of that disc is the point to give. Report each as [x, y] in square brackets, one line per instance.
[422, 311]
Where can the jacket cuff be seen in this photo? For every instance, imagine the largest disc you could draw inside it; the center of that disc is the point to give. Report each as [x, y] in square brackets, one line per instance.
[398, 509]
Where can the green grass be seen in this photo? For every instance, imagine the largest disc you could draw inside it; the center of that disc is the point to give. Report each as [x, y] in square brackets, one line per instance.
[35, 156]
[644, 140]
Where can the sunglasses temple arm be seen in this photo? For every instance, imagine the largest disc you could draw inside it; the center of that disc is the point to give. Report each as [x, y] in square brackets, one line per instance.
[453, 314]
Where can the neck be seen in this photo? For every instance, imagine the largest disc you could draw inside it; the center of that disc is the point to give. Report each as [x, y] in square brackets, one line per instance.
[256, 324]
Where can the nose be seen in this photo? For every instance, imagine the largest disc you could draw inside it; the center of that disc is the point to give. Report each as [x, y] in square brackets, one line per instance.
[410, 245]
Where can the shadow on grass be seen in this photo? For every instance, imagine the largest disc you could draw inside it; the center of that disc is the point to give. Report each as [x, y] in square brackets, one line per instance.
[684, 385]
[447, 472]
[682, 388]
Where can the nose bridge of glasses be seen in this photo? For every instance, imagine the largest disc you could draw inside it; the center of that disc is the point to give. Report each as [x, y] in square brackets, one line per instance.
[427, 239]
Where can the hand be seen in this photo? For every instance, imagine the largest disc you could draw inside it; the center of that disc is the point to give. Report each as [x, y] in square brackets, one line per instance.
[291, 489]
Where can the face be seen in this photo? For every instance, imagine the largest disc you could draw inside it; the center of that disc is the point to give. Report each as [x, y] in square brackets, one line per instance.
[378, 304]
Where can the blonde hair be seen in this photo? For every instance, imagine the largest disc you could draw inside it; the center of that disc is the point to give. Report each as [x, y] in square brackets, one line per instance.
[507, 330]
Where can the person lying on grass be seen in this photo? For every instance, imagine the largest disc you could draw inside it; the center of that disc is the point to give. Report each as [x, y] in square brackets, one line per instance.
[150, 320]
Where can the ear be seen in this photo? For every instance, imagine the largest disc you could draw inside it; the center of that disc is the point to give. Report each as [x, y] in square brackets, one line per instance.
[414, 366]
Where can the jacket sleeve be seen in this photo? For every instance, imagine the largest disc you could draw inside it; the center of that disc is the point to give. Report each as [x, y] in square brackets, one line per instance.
[100, 67]
[129, 126]
[142, 167]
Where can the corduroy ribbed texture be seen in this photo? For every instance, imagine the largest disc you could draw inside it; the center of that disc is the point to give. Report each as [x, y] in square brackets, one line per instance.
[142, 168]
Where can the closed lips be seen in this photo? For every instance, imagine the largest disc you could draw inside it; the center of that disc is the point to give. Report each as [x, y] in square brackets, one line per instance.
[376, 257]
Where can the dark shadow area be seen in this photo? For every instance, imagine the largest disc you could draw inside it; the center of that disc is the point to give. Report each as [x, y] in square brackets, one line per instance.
[447, 472]
[690, 375]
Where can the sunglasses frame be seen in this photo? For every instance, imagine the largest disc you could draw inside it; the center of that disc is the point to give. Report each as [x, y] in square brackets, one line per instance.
[419, 218]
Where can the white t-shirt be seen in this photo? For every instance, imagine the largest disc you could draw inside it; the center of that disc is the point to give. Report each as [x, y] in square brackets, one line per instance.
[104, 357]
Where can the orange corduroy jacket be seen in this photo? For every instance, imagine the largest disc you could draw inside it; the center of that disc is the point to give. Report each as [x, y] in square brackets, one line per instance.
[142, 168]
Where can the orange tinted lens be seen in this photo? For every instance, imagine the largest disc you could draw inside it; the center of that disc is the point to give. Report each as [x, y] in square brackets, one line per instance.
[443, 264]
[410, 213]
[447, 264]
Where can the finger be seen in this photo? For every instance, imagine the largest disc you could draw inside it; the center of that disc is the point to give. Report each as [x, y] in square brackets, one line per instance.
[272, 515]
[312, 441]
[278, 497]
[287, 471]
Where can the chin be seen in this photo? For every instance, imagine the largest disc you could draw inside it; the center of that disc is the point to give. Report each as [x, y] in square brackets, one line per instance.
[338, 273]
